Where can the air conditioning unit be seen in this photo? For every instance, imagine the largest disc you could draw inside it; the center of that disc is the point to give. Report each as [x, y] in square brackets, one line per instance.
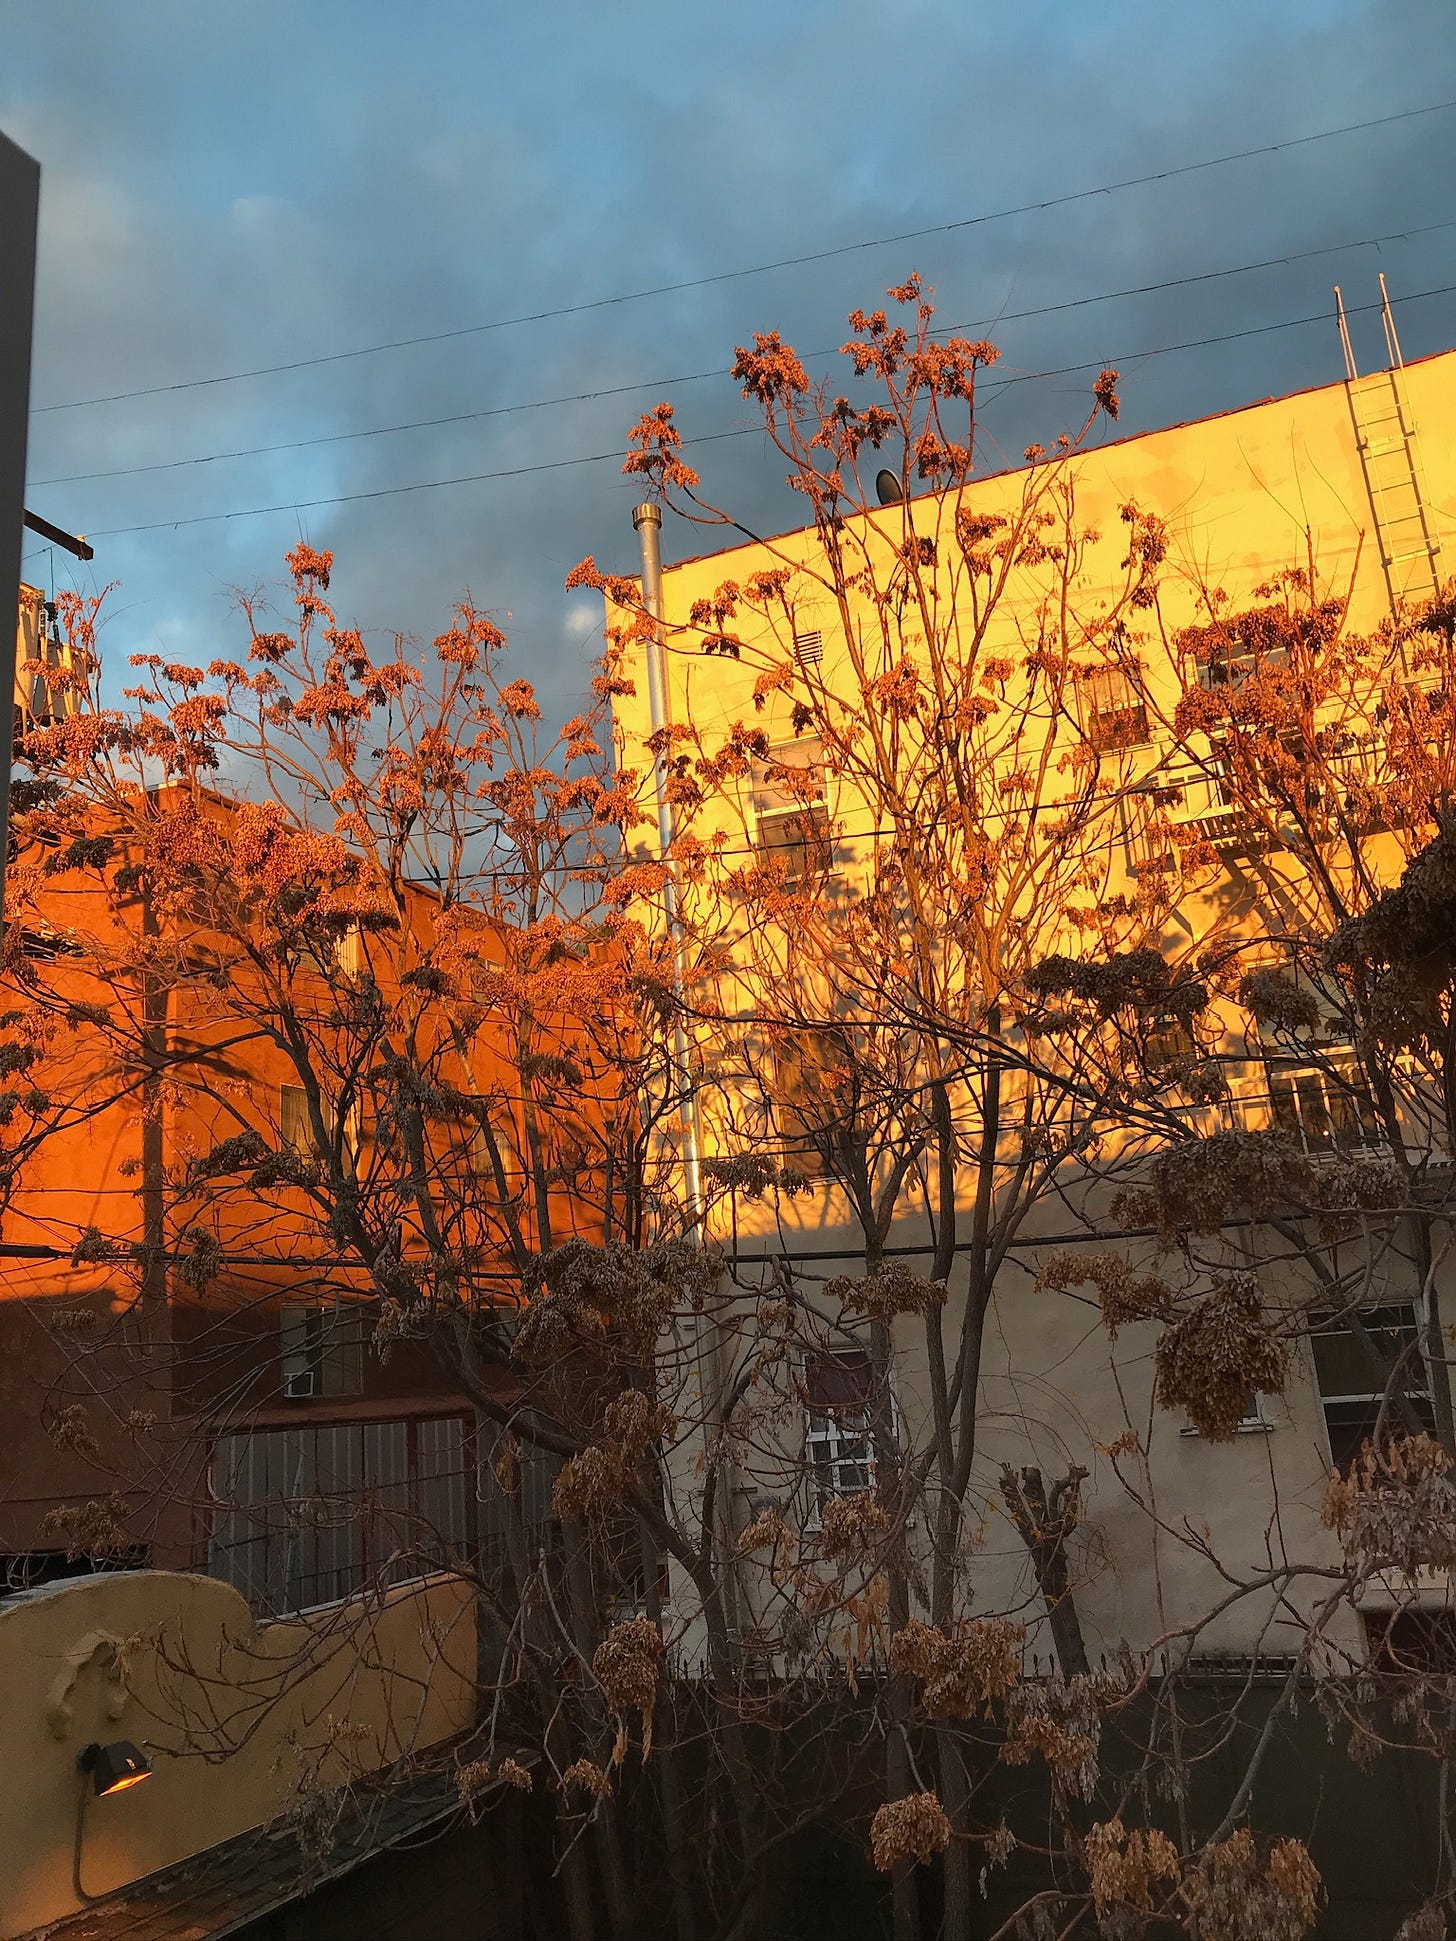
[298, 1384]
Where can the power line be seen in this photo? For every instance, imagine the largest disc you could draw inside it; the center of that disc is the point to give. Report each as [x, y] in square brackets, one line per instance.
[715, 437]
[763, 269]
[697, 377]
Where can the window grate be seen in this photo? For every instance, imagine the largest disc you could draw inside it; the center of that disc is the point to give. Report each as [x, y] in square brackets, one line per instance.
[809, 647]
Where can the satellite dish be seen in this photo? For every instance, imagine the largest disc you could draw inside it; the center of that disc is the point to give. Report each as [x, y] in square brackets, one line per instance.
[887, 488]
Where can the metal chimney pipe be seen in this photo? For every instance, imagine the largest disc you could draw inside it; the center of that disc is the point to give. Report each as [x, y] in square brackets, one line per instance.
[647, 520]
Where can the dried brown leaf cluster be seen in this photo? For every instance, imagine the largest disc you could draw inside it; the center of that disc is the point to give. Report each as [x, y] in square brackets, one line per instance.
[597, 1478]
[1193, 1187]
[1274, 997]
[579, 1291]
[1395, 1508]
[913, 1828]
[626, 1664]
[88, 1529]
[962, 1673]
[1426, 1924]
[1123, 1295]
[1221, 1355]
[754, 1176]
[475, 1780]
[72, 1430]
[74, 1321]
[586, 1777]
[1239, 1895]
[1063, 1723]
[851, 1525]
[892, 1289]
[1123, 1866]
[767, 1531]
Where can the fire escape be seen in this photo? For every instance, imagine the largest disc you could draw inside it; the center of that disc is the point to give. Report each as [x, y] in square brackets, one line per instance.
[1385, 437]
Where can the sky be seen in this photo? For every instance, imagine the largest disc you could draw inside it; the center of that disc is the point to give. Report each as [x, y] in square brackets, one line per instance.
[227, 186]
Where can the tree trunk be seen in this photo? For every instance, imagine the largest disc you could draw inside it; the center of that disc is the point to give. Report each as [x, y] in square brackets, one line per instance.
[664, 1747]
[955, 1797]
[1045, 1520]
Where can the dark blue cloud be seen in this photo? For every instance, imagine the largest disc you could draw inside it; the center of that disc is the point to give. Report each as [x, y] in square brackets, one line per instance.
[226, 186]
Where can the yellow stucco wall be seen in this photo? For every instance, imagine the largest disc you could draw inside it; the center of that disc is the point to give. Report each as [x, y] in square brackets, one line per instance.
[1245, 495]
[334, 1695]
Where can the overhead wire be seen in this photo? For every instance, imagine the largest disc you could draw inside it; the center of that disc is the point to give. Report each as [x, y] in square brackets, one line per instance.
[981, 219]
[697, 377]
[295, 505]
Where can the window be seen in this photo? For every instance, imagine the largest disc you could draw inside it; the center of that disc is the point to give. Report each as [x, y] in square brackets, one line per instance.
[788, 803]
[294, 1130]
[1168, 1043]
[1326, 1106]
[322, 1349]
[1147, 844]
[44, 943]
[839, 1435]
[1351, 1391]
[515, 1490]
[323, 1511]
[349, 952]
[1416, 1641]
[813, 1088]
[26, 1570]
[1230, 663]
[1254, 1422]
[1114, 713]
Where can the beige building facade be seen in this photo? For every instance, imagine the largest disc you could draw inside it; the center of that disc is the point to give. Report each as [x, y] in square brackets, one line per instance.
[1352, 484]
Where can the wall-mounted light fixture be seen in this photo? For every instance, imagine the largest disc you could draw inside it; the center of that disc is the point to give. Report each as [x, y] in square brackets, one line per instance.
[114, 1767]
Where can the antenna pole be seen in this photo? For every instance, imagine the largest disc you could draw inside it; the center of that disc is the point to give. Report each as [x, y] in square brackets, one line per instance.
[1387, 318]
[1351, 373]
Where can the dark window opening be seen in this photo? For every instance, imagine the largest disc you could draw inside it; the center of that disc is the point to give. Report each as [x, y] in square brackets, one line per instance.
[1350, 1390]
[1114, 713]
[322, 1349]
[294, 1131]
[1412, 1642]
[1230, 664]
[1168, 1043]
[24, 1570]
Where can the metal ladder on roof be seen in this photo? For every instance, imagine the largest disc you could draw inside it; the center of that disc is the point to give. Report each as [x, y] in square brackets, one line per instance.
[1385, 437]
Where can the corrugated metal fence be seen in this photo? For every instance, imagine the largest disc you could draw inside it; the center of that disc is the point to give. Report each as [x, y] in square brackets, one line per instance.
[309, 1514]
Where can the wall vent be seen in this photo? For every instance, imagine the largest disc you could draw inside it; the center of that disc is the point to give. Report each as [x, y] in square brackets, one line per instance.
[809, 647]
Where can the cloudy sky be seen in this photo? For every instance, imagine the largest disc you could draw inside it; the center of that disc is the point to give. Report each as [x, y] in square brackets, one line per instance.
[229, 186]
